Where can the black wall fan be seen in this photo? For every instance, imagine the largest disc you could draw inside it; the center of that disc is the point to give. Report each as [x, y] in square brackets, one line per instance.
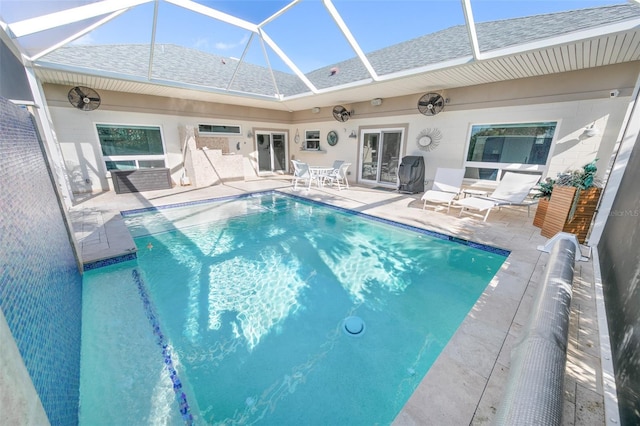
[431, 104]
[84, 98]
[340, 113]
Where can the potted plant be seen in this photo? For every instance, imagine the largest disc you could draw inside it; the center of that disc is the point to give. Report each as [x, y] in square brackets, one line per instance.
[573, 203]
[543, 195]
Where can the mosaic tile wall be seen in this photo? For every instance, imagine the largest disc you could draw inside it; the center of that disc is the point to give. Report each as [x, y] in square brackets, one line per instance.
[40, 286]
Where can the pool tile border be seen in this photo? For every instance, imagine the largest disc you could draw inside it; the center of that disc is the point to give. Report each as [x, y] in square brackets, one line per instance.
[439, 235]
[126, 213]
[109, 261]
[479, 246]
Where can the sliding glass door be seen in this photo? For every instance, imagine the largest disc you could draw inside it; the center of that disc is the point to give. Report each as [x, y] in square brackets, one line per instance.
[380, 157]
[272, 152]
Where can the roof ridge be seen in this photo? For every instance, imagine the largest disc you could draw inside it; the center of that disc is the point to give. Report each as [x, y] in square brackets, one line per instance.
[562, 12]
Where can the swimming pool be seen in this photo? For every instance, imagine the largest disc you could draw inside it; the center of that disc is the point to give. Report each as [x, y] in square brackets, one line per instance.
[247, 310]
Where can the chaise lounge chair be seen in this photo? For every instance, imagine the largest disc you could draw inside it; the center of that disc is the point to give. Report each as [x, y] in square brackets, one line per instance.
[511, 191]
[446, 187]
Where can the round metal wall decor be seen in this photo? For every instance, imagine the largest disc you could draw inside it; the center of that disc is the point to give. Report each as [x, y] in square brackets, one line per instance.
[332, 138]
[428, 139]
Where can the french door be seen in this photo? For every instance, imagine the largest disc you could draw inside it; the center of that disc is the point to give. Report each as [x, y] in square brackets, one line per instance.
[380, 149]
[272, 152]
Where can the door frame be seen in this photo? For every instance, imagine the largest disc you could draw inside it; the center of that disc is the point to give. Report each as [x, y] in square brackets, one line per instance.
[402, 128]
[270, 133]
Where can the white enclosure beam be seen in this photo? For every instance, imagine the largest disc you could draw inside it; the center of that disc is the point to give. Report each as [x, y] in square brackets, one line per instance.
[350, 38]
[288, 61]
[69, 16]
[215, 14]
[471, 28]
[76, 35]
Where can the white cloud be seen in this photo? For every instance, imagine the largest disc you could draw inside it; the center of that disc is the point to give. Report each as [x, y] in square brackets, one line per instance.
[228, 46]
[84, 40]
[202, 43]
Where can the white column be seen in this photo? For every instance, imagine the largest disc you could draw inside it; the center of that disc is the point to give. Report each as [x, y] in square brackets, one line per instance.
[629, 133]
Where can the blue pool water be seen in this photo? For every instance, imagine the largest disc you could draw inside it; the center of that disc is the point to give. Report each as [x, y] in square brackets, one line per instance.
[234, 313]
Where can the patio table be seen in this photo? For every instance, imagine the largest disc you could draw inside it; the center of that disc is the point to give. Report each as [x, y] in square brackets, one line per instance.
[319, 173]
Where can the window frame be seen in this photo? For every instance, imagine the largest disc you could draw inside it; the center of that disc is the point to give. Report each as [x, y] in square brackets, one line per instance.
[225, 126]
[309, 137]
[136, 158]
[502, 167]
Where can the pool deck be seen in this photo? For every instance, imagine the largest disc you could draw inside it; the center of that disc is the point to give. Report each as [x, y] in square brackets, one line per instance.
[465, 384]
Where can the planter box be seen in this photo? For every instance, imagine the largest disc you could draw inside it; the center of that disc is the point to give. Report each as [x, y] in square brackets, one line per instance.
[557, 215]
[541, 212]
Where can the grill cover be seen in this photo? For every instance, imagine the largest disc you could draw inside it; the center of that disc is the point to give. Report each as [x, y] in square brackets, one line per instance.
[411, 174]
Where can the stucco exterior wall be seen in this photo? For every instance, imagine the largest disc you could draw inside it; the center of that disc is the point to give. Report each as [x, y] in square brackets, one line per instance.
[571, 149]
[575, 101]
[78, 138]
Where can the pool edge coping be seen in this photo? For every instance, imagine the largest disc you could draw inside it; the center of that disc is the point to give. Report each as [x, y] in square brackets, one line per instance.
[124, 257]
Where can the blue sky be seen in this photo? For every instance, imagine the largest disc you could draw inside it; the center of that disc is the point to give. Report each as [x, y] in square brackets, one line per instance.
[306, 33]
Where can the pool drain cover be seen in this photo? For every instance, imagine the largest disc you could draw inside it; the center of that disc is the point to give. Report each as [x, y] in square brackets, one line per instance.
[353, 326]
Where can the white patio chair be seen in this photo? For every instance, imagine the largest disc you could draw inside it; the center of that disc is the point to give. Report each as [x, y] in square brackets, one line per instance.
[301, 173]
[511, 191]
[336, 167]
[337, 163]
[339, 176]
[447, 185]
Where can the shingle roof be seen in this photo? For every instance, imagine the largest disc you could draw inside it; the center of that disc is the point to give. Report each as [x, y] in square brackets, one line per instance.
[194, 67]
[453, 43]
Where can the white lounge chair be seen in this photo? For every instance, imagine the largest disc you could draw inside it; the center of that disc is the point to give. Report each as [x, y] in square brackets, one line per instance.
[511, 191]
[446, 186]
[301, 172]
[339, 176]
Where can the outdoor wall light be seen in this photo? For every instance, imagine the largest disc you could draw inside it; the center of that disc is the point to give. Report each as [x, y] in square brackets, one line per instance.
[376, 102]
[315, 110]
[353, 134]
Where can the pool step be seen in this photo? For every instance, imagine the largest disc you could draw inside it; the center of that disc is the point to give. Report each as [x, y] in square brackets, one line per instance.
[103, 239]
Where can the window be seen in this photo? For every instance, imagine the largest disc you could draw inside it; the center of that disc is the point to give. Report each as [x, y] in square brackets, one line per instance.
[131, 147]
[495, 148]
[218, 129]
[312, 140]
